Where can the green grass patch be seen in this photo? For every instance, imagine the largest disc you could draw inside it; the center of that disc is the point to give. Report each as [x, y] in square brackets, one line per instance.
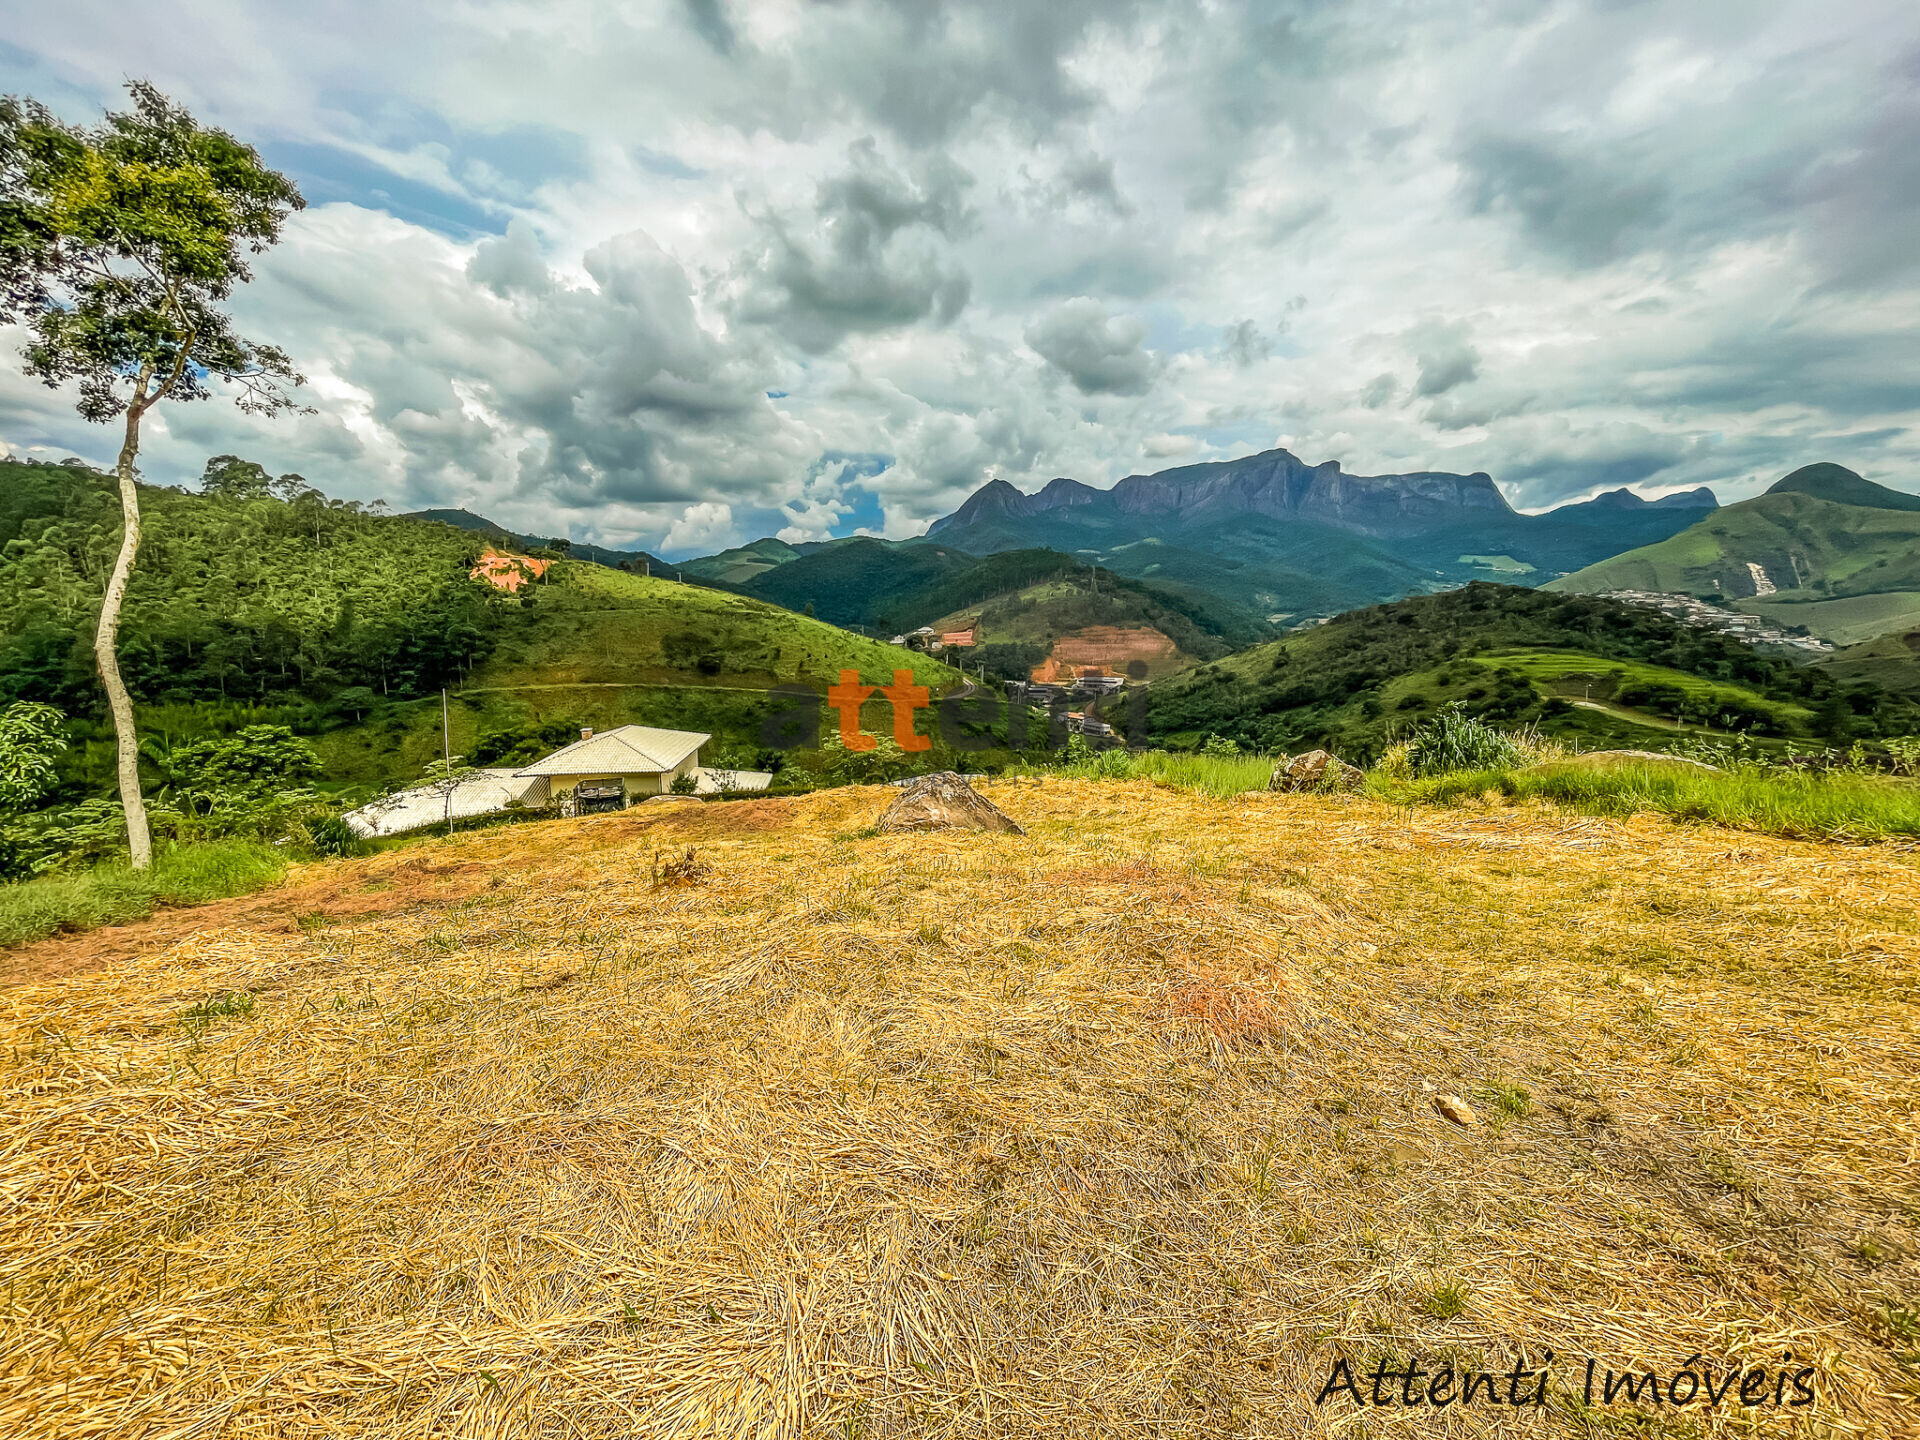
[1446, 1300]
[197, 1019]
[113, 893]
[1854, 809]
[1216, 775]
[1849, 809]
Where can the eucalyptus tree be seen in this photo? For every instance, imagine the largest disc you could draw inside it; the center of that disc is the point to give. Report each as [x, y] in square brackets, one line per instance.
[119, 246]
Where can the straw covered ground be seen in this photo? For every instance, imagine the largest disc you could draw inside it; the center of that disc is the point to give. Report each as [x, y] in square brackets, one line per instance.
[1124, 1127]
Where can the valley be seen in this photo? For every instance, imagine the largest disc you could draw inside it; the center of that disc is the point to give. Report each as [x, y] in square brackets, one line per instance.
[345, 624]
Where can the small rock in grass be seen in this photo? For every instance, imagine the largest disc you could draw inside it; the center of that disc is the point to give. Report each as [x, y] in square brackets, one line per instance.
[1455, 1109]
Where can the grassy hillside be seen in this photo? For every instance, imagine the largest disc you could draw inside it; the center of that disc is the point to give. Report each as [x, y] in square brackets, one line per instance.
[345, 625]
[600, 647]
[1844, 622]
[1368, 675]
[1125, 1127]
[1809, 549]
[741, 564]
[1890, 661]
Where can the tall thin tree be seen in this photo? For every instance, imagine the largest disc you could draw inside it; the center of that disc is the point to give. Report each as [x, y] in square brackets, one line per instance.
[119, 245]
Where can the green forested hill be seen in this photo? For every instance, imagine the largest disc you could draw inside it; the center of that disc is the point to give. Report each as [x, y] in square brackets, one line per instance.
[858, 581]
[232, 598]
[741, 564]
[346, 624]
[1823, 549]
[1576, 665]
[1837, 483]
[891, 587]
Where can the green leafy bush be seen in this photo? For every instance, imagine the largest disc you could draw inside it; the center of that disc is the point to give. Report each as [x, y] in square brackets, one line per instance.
[32, 737]
[1905, 751]
[239, 771]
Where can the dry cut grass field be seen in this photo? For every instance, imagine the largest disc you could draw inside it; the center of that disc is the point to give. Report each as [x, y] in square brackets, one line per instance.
[1123, 1128]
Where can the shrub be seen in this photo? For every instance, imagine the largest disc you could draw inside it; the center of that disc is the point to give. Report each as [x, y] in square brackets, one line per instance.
[1454, 740]
[330, 835]
[1220, 745]
[1395, 764]
[684, 784]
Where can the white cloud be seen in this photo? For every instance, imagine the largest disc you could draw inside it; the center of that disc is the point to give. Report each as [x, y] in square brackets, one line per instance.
[1100, 353]
[559, 257]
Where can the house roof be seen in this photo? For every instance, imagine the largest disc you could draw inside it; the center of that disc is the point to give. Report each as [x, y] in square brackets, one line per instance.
[484, 792]
[719, 782]
[629, 750]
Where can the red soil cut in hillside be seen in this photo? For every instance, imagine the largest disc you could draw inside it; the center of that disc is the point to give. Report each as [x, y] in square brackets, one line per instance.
[1106, 650]
[508, 572]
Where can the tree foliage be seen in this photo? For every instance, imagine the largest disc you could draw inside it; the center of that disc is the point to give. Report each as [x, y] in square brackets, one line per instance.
[118, 245]
[32, 738]
[247, 768]
[240, 596]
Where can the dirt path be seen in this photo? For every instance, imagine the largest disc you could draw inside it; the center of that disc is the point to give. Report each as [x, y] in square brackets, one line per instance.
[432, 873]
[331, 891]
[1637, 717]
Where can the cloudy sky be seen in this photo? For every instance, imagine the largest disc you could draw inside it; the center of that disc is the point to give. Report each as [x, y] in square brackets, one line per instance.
[679, 273]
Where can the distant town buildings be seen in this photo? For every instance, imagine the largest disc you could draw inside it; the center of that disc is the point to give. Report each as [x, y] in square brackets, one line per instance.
[1754, 629]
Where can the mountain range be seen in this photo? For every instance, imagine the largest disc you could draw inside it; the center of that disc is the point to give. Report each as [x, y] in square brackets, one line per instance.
[1278, 537]
[1234, 551]
[1823, 549]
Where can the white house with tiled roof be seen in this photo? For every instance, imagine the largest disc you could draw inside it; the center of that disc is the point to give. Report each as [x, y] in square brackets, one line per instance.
[638, 759]
[608, 771]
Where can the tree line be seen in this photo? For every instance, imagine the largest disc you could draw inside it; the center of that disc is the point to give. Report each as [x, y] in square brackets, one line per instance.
[1327, 686]
[253, 590]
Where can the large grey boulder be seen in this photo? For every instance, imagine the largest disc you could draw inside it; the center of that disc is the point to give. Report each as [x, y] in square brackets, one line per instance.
[944, 801]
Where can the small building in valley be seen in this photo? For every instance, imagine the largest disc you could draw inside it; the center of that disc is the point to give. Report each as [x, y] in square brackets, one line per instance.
[612, 769]
[608, 771]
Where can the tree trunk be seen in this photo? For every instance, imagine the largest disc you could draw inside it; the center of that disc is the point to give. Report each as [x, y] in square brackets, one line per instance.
[139, 841]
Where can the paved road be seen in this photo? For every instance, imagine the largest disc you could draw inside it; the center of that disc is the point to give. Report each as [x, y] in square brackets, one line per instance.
[967, 690]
